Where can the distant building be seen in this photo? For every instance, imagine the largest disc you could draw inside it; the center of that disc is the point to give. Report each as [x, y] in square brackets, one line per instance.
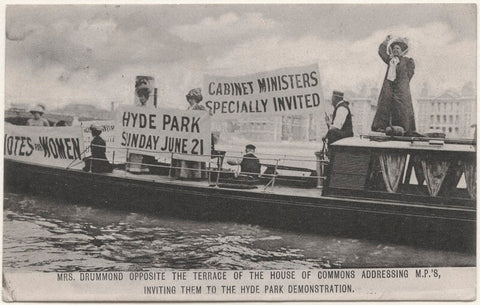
[450, 113]
[363, 110]
[85, 111]
[17, 107]
[295, 128]
[258, 128]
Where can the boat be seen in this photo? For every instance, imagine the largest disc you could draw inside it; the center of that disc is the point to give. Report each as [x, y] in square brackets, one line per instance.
[347, 194]
[374, 185]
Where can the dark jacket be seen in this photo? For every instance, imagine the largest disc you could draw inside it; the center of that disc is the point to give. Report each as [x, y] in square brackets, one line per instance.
[98, 162]
[395, 99]
[250, 164]
[335, 134]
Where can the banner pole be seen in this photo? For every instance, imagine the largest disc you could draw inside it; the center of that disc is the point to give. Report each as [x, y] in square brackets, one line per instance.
[155, 91]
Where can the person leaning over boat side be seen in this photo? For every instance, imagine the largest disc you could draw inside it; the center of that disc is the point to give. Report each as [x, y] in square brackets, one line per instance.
[249, 165]
[37, 119]
[395, 101]
[97, 162]
[191, 169]
[340, 125]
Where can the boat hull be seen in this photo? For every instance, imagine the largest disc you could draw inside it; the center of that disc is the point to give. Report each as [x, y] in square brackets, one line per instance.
[398, 222]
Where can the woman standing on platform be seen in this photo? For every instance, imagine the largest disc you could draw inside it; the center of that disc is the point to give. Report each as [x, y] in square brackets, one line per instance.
[395, 101]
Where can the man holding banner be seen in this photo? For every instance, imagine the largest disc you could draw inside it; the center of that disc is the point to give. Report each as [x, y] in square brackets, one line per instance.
[144, 87]
[144, 91]
[192, 169]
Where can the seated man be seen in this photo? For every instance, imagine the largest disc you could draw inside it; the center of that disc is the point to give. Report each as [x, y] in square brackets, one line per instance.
[97, 162]
[249, 165]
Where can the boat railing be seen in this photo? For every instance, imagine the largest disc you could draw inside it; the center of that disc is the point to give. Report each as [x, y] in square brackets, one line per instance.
[420, 139]
[166, 164]
[212, 155]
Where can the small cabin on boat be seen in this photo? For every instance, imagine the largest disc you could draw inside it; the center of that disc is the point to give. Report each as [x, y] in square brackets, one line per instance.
[418, 170]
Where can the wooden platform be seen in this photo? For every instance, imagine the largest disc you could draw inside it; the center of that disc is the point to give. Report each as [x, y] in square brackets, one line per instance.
[203, 184]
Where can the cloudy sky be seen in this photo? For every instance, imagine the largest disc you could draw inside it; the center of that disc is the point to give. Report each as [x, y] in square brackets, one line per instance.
[91, 54]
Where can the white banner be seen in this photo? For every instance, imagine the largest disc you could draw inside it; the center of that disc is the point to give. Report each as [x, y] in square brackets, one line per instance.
[52, 146]
[287, 91]
[154, 131]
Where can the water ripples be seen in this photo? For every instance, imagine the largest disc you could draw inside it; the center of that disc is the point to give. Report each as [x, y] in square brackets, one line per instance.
[41, 235]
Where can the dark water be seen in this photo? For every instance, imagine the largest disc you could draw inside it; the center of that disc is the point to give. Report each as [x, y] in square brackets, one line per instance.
[45, 235]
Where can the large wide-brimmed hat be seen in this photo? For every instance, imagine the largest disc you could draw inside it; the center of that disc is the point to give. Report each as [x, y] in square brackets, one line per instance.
[142, 82]
[38, 109]
[195, 94]
[401, 41]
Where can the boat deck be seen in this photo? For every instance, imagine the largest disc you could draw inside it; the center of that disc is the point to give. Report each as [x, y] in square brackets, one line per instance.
[127, 187]
[277, 189]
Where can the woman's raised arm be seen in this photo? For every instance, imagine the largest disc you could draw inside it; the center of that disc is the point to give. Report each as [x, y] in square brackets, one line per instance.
[382, 50]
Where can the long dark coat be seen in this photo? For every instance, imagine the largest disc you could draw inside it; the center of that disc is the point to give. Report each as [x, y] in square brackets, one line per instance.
[99, 159]
[395, 100]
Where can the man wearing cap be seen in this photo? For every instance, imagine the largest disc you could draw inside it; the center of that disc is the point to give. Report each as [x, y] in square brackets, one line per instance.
[250, 165]
[37, 119]
[97, 162]
[341, 124]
